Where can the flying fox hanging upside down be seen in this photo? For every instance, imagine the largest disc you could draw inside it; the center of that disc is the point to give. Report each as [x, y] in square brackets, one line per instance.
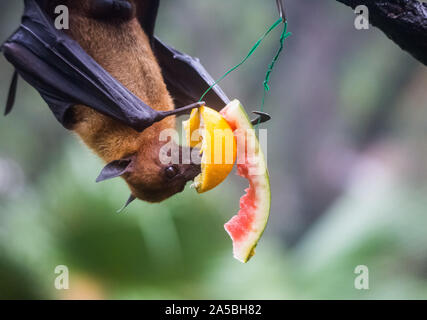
[113, 83]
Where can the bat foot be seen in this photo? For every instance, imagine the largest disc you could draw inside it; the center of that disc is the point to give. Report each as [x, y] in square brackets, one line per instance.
[112, 9]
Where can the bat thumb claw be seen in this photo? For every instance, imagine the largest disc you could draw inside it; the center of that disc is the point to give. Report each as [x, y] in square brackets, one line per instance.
[128, 202]
[12, 94]
[262, 117]
[182, 110]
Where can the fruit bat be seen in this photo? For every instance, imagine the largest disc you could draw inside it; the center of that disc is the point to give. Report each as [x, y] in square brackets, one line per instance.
[77, 73]
[110, 80]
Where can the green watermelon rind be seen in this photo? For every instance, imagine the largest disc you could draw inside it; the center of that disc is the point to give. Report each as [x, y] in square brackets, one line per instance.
[244, 250]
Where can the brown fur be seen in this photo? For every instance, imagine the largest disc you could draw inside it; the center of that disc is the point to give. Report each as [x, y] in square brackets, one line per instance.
[123, 49]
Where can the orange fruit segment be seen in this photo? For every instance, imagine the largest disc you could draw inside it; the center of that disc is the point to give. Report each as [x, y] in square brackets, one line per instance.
[208, 130]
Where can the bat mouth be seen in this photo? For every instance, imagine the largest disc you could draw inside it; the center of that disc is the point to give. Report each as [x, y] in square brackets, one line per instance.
[158, 195]
[192, 171]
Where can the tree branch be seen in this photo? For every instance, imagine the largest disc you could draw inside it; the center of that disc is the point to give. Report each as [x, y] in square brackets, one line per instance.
[403, 21]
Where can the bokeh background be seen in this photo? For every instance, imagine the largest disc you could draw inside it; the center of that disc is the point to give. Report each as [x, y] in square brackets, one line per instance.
[347, 153]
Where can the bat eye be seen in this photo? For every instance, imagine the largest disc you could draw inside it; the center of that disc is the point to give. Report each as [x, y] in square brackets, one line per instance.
[171, 172]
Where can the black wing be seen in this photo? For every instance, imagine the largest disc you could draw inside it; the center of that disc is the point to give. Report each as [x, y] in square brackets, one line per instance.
[65, 75]
[185, 76]
[146, 11]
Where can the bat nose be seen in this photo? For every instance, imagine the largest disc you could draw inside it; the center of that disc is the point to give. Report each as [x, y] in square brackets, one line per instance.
[191, 171]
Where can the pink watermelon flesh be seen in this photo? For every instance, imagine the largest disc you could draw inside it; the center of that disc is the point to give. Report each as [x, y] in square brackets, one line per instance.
[239, 226]
[246, 228]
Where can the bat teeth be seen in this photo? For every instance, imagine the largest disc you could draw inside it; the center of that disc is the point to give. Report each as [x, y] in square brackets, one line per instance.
[128, 202]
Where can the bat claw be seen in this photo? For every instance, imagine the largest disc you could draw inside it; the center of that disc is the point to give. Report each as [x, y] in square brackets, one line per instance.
[182, 110]
[12, 93]
[262, 117]
[128, 202]
[281, 8]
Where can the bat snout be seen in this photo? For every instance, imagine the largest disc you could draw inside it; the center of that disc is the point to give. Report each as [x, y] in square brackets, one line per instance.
[191, 171]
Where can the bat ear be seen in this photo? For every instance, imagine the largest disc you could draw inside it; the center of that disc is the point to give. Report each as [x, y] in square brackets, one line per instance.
[115, 169]
[128, 202]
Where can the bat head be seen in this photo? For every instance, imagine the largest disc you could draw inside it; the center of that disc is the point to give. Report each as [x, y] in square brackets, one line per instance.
[150, 177]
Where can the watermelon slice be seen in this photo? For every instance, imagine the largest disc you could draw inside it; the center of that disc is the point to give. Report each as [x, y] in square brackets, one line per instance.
[246, 228]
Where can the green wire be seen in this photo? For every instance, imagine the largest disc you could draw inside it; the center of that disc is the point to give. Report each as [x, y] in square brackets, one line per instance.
[284, 35]
[251, 52]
